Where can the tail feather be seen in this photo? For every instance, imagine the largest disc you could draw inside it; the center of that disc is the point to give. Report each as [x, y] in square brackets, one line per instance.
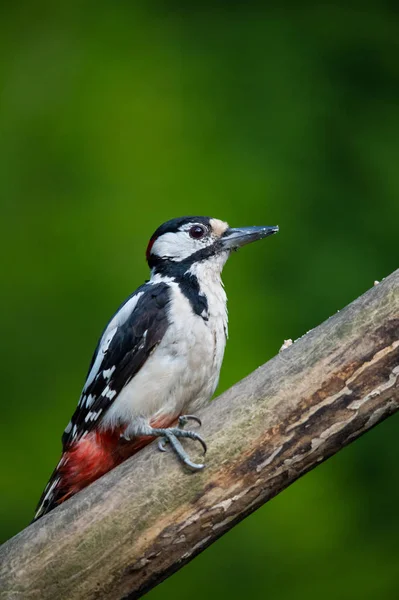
[82, 463]
[51, 494]
[88, 459]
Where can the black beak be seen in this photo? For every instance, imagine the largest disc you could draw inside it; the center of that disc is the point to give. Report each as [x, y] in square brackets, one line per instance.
[235, 238]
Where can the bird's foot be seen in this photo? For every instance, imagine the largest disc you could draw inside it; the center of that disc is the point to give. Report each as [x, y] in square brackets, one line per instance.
[171, 435]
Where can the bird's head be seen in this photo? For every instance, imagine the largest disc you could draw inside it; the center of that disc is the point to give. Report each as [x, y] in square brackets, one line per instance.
[180, 243]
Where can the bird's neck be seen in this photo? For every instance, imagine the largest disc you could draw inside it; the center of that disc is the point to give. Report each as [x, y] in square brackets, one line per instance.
[211, 287]
[201, 283]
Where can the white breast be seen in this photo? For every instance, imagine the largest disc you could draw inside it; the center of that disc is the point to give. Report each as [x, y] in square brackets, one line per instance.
[182, 373]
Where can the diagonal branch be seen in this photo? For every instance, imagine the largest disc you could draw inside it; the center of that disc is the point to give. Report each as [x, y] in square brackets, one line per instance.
[147, 518]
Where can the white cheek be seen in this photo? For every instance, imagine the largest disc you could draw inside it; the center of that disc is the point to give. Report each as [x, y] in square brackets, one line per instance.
[176, 246]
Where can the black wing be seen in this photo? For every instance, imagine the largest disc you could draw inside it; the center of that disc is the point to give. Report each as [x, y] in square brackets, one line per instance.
[130, 337]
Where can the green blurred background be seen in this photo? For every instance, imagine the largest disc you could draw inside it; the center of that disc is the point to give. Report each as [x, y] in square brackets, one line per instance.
[115, 116]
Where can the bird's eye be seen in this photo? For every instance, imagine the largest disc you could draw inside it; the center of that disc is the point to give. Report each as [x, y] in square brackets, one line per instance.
[197, 231]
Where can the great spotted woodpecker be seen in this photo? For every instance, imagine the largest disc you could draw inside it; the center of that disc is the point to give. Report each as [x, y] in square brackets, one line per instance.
[158, 358]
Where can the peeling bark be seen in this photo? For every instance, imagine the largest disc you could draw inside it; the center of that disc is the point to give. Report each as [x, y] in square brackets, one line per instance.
[144, 520]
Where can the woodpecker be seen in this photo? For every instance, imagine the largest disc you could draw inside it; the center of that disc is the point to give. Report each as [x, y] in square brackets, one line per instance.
[158, 359]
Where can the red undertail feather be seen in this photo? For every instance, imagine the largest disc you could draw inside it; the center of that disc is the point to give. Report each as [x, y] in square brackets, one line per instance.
[97, 453]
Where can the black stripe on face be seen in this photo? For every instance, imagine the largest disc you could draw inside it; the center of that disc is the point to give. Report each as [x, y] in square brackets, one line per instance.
[173, 268]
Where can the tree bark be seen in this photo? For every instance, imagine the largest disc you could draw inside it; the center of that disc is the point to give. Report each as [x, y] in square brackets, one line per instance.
[147, 518]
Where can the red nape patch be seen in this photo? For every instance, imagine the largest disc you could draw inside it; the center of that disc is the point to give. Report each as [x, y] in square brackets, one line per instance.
[149, 248]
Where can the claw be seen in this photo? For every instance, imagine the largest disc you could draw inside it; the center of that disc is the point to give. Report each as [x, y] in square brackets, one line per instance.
[162, 444]
[182, 454]
[193, 466]
[194, 436]
[184, 419]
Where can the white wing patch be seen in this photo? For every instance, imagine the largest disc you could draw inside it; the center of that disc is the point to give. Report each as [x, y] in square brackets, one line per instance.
[125, 311]
[104, 345]
[89, 400]
[93, 415]
[107, 373]
[141, 346]
[118, 320]
[109, 393]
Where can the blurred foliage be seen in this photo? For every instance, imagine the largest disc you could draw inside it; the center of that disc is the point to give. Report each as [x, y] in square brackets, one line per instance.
[115, 116]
